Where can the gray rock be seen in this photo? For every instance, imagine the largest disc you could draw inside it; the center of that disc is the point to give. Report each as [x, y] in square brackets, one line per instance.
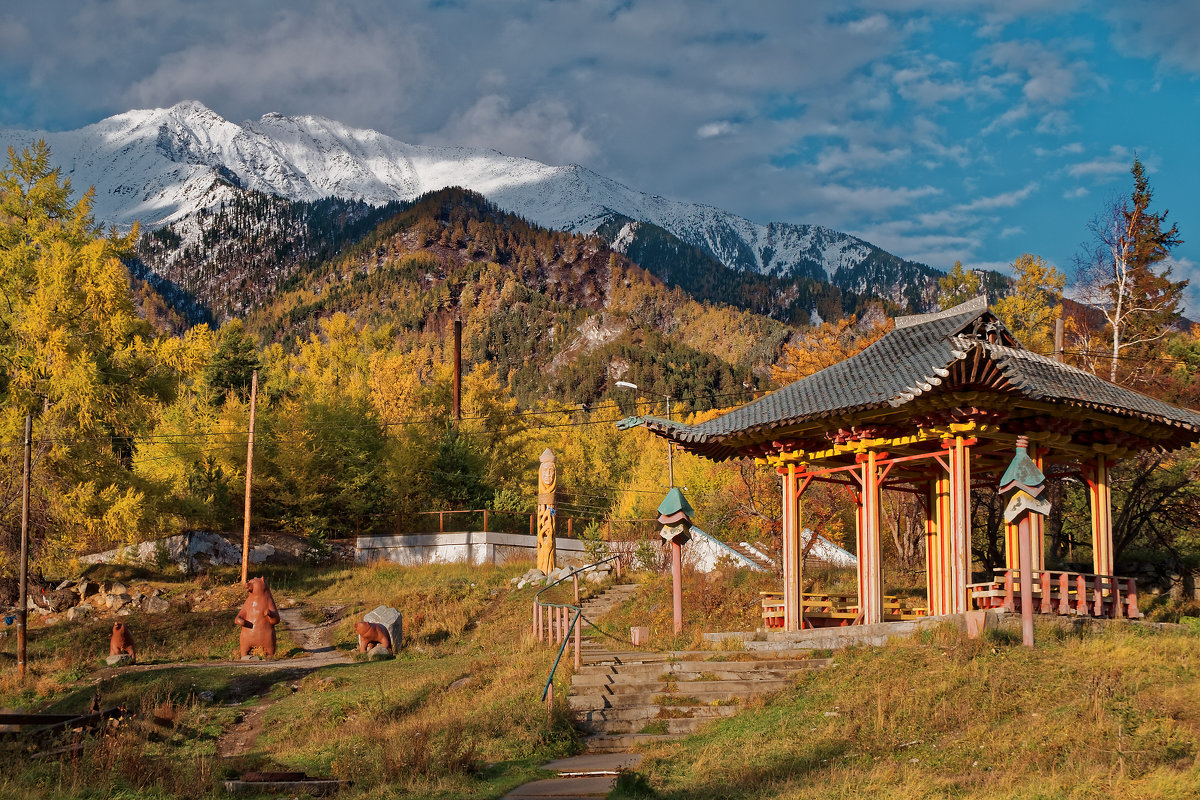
[379, 653]
[85, 589]
[78, 612]
[117, 600]
[206, 697]
[251, 657]
[119, 660]
[596, 577]
[118, 588]
[155, 605]
[261, 553]
[391, 619]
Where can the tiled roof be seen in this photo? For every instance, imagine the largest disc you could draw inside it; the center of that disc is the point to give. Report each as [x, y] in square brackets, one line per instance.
[909, 361]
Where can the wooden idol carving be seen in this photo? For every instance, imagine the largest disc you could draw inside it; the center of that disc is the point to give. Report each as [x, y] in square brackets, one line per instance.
[547, 483]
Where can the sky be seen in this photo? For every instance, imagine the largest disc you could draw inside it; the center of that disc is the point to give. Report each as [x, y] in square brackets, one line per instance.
[972, 130]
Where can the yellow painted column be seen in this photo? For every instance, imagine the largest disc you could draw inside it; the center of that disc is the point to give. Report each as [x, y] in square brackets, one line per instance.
[870, 574]
[1100, 500]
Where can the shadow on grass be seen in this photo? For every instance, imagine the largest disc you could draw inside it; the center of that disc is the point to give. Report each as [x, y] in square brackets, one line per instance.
[748, 782]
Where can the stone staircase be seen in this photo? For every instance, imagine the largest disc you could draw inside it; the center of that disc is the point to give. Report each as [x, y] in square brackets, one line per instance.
[625, 697]
[756, 553]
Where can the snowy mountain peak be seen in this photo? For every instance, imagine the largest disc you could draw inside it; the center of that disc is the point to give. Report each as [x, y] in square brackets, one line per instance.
[164, 164]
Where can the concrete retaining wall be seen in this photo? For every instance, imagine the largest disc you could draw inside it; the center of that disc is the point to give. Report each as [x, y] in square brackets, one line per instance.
[475, 547]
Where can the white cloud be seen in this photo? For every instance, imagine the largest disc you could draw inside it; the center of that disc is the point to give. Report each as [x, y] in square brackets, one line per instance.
[1003, 200]
[1118, 160]
[1069, 149]
[1164, 30]
[1075, 194]
[544, 127]
[710, 129]
[1010, 231]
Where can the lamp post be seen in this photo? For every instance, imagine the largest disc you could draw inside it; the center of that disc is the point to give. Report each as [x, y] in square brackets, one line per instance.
[670, 448]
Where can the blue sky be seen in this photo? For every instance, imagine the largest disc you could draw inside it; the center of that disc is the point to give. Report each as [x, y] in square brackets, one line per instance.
[939, 131]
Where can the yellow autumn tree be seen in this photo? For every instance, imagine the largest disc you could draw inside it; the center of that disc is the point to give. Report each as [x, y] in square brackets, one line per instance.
[824, 346]
[74, 355]
[958, 286]
[1034, 304]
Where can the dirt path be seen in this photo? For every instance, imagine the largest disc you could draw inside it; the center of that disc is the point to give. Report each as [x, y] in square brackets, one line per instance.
[316, 639]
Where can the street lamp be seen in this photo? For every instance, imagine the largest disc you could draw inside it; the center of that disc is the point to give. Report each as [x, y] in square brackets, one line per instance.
[670, 460]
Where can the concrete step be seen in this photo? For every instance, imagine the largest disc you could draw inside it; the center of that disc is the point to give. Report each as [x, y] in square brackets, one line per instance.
[671, 727]
[619, 743]
[643, 713]
[625, 699]
[696, 670]
[587, 683]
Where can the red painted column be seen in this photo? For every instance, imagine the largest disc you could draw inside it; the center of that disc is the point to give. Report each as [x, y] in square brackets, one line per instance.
[960, 513]
[677, 584]
[1026, 566]
[793, 553]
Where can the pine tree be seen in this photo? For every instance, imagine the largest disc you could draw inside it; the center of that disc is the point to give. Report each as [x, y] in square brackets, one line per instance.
[1118, 275]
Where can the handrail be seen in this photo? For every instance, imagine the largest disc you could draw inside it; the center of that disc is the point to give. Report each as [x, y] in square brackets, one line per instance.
[574, 625]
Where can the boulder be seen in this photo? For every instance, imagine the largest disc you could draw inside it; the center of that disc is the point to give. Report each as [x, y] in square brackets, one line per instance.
[118, 588]
[379, 653]
[391, 619]
[261, 553]
[117, 600]
[119, 660]
[78, 612]
[86, 589]
[155, 605]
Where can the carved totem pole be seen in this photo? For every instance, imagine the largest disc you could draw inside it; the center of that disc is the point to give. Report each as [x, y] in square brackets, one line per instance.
[547, 482]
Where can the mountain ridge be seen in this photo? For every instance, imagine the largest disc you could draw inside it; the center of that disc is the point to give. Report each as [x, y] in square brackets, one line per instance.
[164, 165]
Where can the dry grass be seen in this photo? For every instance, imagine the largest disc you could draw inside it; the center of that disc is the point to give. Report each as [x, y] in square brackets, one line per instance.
[1113, 713]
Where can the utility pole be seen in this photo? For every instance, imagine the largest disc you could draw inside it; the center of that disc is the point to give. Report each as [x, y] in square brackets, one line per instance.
[1058, 339]
[23, 592]
[670, 453]
[249, 473]
[458, 370]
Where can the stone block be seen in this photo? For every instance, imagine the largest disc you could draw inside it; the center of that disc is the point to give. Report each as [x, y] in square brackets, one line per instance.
[639, 635]
[117, 600]
[391, 619]
[119, 660]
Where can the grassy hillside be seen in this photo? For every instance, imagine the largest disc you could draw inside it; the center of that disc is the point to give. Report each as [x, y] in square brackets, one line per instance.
[1104, 711]
[1113, 711]
[458, 714]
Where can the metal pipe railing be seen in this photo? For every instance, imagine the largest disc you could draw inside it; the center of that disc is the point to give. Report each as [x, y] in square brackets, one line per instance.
[559, 624]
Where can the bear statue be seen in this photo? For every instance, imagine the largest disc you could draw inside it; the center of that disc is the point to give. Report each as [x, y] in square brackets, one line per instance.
[122, 641]
[257, 619]
[371, 634]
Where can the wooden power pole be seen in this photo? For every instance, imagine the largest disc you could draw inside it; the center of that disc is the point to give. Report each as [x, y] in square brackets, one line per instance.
[23, 592]
[249, 473]
[458, 370]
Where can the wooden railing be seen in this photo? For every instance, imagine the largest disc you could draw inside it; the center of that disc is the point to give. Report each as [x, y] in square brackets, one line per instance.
[834, 610]
[1063, 593]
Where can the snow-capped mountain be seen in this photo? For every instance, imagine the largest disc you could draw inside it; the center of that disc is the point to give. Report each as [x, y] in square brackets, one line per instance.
[162, 165]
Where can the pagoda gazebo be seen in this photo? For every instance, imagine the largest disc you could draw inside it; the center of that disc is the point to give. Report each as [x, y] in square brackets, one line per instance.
[933, 407]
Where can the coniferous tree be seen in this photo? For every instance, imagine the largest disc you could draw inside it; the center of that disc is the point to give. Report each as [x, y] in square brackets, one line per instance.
[1120, 276]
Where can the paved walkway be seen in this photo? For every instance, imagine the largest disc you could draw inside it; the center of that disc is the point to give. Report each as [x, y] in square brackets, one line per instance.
[588, 775]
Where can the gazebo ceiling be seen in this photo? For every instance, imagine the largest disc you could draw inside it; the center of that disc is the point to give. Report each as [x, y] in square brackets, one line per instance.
[930, 371]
